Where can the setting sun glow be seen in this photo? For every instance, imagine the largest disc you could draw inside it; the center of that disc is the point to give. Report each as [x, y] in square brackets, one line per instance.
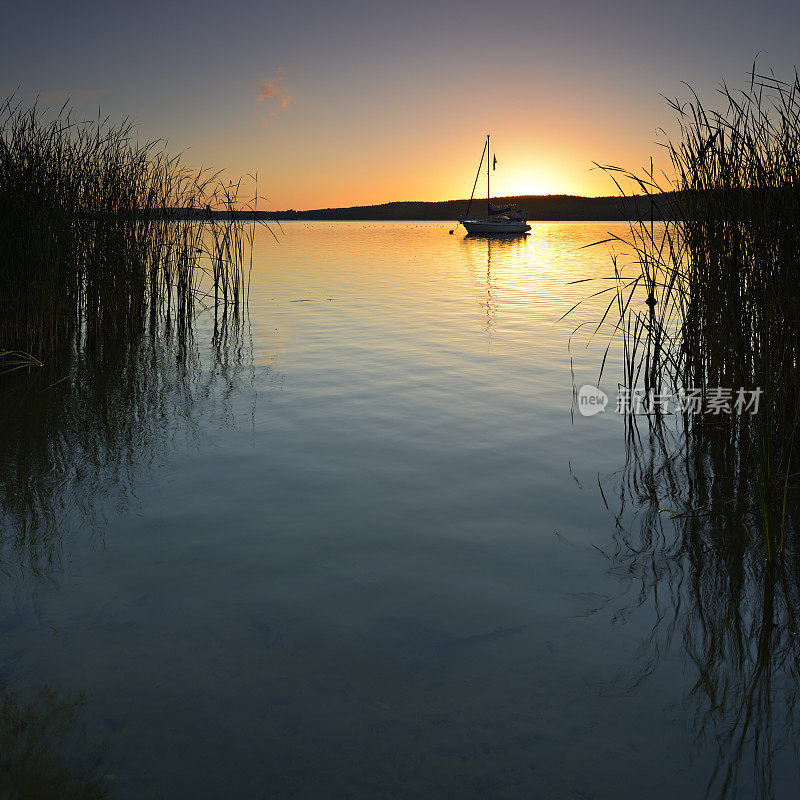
[533, 179]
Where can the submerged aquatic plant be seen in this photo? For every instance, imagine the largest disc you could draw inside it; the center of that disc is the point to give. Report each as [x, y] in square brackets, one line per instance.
[101, 235]
[44, 750]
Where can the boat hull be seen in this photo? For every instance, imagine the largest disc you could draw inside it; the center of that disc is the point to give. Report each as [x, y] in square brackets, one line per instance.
[474, 226]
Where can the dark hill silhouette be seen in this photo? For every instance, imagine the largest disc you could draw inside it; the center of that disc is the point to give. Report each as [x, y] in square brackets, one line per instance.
[539, 207]
[560, 207]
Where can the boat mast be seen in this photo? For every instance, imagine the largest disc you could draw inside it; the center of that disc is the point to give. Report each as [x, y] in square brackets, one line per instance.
[477, 175]
[488, 193]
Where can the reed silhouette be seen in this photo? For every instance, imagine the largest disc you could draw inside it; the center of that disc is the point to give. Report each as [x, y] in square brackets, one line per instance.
[714, 297]
[101, 235]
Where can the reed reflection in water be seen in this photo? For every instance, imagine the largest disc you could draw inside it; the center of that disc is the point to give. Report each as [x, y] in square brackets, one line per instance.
[77, 436]
[682, 543]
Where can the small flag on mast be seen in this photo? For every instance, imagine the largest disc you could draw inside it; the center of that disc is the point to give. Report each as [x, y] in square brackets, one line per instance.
[494, 163]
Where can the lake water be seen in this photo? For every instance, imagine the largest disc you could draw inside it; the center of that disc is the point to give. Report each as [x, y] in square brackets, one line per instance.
[362, 547]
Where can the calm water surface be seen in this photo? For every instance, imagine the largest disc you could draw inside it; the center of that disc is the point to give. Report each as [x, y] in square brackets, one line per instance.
[359, 549]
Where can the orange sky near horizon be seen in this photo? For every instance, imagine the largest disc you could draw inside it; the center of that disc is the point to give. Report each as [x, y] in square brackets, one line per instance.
[374, 158]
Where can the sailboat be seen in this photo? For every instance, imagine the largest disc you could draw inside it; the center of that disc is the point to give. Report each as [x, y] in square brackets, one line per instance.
[497, 220]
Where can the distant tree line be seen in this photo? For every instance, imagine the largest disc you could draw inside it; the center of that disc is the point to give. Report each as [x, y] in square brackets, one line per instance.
[539, 207]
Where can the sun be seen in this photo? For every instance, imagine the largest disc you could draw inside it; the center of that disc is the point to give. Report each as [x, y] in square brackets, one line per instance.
[534, 179]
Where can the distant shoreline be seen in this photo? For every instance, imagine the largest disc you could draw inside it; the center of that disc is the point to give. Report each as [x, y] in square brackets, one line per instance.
[540, 208]
[267, 218]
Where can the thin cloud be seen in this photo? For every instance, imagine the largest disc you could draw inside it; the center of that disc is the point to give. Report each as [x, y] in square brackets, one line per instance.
[275, 94]
[267, 90]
